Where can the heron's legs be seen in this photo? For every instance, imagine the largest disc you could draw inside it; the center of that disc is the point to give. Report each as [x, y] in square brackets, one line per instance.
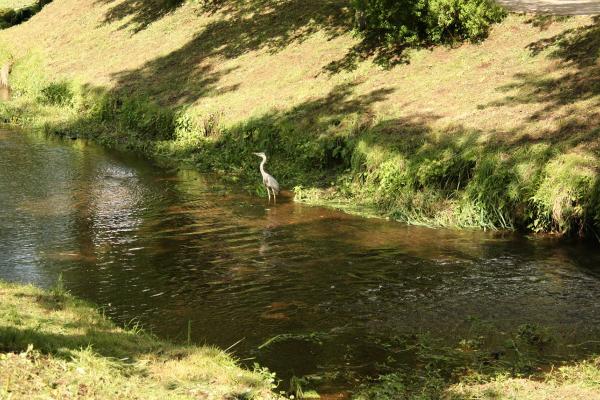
[268, 194]
[274, 197]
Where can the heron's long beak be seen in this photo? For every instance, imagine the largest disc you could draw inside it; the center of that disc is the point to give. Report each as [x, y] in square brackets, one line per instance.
[256, 154]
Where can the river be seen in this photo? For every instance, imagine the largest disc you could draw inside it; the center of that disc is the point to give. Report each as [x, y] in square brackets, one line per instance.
[171, 247]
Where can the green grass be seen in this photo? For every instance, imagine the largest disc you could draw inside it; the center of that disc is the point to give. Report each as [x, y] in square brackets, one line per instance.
[55, 346]
[16, 4]
[530, 362]
[579, 381]
[496, 135]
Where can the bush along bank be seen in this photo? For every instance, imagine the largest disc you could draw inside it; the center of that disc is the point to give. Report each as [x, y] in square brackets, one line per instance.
[332, 154]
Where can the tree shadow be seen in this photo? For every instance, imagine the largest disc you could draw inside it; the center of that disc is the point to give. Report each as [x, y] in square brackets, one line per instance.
[574, 79]
[544, 21]
[191, 72]
[384, 56]
[139, 14]
[234, 28]
[577, 46]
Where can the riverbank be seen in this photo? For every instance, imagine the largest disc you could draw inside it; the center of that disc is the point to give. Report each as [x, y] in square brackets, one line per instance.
[495, 135]
[53, 345]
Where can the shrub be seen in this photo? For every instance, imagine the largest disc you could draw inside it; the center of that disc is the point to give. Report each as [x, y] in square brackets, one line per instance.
[566, 193]
[57, 93]
[423, 22]
[7, 17]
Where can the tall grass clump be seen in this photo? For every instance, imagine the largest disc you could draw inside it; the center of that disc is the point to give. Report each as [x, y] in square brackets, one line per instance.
[566, 199]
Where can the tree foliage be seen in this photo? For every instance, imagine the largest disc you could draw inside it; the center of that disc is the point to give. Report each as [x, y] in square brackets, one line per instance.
[425, 22]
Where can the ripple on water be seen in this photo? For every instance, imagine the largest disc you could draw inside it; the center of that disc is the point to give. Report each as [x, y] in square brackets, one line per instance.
[172, 247]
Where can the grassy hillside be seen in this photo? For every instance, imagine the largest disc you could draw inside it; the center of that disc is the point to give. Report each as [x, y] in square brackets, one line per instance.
[499, 134]
[55, 346]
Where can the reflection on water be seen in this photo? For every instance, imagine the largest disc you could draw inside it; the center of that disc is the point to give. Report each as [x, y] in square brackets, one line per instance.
[169, 247]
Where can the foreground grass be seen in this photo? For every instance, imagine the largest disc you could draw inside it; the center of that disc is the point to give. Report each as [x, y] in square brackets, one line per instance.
[577, 382]
[497, 135]
[529, 363]
[55, 346]
[580, 381]
[16, 4]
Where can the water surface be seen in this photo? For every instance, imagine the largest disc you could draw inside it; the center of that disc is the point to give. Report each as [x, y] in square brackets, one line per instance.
[167, 247]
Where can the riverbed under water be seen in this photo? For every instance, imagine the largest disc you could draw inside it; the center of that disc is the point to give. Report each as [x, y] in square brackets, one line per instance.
[167, 246]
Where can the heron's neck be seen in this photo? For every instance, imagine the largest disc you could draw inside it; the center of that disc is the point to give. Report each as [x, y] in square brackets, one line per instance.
[262, 165]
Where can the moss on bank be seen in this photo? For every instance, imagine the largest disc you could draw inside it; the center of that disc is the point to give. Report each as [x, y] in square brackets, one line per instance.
[55, 346]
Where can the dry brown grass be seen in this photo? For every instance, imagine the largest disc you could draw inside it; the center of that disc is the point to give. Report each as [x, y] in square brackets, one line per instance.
[252, 57]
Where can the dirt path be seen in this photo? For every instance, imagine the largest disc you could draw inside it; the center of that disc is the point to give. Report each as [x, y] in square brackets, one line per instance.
[555, 7]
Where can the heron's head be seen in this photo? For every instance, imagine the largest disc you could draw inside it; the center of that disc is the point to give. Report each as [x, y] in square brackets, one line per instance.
[261, 154]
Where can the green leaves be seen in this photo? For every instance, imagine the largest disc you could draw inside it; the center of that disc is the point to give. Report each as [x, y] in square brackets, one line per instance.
[420, 22]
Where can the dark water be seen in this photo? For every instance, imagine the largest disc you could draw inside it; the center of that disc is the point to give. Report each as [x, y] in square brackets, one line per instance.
[170, 246]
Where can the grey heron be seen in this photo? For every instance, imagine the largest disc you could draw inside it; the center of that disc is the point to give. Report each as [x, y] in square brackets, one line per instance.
[270, 182]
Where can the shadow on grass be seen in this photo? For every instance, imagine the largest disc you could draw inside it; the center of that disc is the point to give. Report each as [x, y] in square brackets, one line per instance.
[544, 21]
[385, 56]
[104, 342]
[139, 13]
[187, 74]
[235, 28]
[10, 17]
[575, 79]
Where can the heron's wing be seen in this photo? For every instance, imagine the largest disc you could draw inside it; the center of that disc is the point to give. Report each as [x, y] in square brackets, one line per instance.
[272, 183]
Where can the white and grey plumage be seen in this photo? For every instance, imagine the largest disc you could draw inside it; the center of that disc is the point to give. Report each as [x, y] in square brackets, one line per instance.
[270, 183]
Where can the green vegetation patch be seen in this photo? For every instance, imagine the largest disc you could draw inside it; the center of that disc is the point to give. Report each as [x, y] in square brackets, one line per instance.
[412, 173]
[530, 362]
[14, 12]
[55, 346]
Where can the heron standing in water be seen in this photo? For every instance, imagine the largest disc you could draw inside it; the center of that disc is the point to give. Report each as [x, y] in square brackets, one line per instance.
[270, 182]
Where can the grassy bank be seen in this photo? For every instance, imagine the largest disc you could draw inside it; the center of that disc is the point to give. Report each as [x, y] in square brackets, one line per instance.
[580, 381]
[55, 346]
[500, 134]
[525, 362]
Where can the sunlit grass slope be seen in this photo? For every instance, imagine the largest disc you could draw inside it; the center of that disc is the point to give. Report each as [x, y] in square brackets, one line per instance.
[15, 4]
[498, 134]
[55, 346]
